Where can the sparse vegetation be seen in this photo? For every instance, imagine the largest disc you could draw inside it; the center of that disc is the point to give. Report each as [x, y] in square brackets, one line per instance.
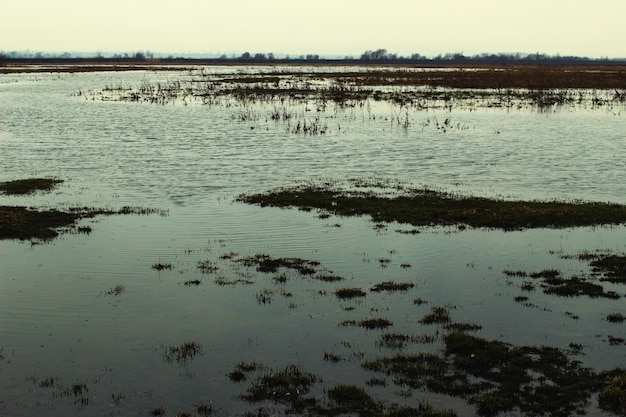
[183, 353]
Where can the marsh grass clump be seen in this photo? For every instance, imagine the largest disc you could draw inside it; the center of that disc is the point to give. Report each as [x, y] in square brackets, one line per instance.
[242, 369]
[463, 327]
[552, 282]
[613, 267]
[349, 293]
[392, 286]
[437, 315]
[162, 266]
[288, 386]
[23, 223]
[612, 397]
[117, 290]
[158, 411]
[574, 287]
[399, 340]
[616, 318]
[375, 323]
[267, 264]
[328, 278]
[28, 186]
[79, 391]
[182, 353]
[347, 398]
[496, 377]
[429, 208]
[204, 410]
[207, 266]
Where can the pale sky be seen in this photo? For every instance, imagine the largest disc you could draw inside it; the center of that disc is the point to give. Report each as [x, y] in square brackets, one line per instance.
[325, 27]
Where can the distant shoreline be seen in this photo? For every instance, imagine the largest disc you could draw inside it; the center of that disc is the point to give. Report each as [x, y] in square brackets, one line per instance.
[84, 64]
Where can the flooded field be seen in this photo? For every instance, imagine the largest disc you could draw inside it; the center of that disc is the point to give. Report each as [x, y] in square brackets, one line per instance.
[206, 298]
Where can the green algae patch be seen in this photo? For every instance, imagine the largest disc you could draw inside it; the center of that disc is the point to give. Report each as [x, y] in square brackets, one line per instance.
[433, 208]
[28, 186]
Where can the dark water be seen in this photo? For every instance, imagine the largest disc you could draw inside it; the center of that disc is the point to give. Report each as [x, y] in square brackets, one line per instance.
[57, 319]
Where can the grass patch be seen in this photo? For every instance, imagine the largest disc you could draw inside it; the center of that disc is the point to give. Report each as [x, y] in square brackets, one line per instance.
[553, 283]
[431, 208]
[22, 223]
[616, 318]
[28, 186]
[288, 386]
[349, 293]
[437, 315]
[612, 266]
[392, 286]
[265, 263]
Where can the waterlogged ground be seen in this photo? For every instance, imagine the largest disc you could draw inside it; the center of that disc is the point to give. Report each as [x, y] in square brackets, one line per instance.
[201, 308]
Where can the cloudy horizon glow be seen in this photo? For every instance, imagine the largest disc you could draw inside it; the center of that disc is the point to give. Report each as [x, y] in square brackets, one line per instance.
[326, 28]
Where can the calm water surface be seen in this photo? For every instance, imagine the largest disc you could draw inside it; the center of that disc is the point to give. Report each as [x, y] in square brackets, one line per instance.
[57, 319]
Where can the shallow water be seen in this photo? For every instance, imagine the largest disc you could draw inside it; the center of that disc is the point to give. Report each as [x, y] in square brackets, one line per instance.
[57, 320]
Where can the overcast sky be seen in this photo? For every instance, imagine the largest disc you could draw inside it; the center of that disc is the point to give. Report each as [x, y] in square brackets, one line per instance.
[324, 27]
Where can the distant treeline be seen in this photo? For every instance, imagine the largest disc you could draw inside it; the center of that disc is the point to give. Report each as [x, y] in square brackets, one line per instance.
[378, 56]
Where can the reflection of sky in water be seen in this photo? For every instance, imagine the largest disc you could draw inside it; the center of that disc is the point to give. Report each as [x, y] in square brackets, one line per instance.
[56, 319]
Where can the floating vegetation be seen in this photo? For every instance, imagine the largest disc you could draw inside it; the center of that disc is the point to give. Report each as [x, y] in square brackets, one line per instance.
[182, 353]
[191, 282]
[392, 286]
[28, 186]
[432, 208]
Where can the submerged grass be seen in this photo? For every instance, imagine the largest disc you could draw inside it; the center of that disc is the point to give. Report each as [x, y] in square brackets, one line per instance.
[432, 208]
